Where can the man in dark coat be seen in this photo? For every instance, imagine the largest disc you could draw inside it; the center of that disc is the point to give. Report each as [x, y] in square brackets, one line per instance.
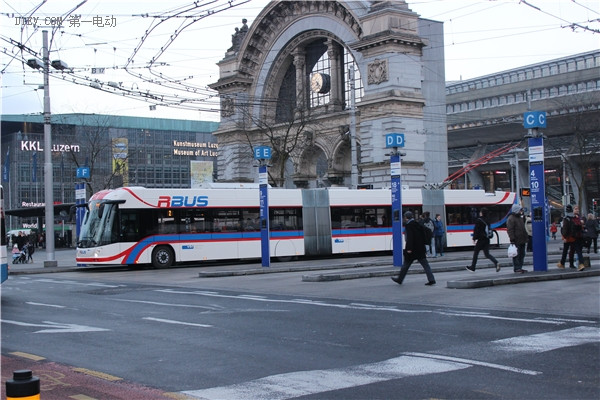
[414, 249]
[515, 227]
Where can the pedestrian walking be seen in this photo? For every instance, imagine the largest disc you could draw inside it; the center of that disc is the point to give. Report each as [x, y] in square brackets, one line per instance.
[515, 227]
[579, 240]
[482, 232]
[438, 234]
[414, 249]
[570, 230]
[429, 238]
[591, 233]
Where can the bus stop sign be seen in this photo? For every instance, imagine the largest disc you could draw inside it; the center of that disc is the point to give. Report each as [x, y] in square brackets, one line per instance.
[534, 119]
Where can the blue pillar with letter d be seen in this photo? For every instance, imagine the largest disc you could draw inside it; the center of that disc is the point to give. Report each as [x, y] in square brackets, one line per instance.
[393, 141]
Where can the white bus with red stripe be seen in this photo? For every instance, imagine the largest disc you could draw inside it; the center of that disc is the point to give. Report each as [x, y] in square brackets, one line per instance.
[135, 225]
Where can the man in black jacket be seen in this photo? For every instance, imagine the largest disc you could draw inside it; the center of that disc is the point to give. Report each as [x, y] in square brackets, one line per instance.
[481, 238]
[414, 249]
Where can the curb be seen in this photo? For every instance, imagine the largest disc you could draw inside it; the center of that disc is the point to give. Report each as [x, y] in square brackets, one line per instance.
[535, 276]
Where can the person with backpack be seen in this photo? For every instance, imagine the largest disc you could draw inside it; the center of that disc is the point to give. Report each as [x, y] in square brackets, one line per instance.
[482, 233]
[571, 232]
[414, 249]
[430, 226]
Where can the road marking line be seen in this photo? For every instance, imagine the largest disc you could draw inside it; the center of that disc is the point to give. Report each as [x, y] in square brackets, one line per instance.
[65, 282]
[27, 355]
[98, 374]
[360, 306]
[155, 303]
[475, 362]
[547, 341]
[44, 305]
[56, 327]
[82, 397]
[302, 383]
[169, 321]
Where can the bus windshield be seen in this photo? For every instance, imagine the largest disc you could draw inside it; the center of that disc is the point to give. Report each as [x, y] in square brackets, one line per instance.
[98, 228]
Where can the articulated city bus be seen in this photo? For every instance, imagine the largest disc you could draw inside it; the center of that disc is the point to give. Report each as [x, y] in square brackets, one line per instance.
[3, 241]
[135, 225]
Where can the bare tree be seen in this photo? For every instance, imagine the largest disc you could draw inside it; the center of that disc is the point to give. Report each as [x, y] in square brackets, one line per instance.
[282, 125]
[105, 156]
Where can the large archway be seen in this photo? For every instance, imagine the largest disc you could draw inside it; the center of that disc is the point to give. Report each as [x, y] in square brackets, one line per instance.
[285, 83]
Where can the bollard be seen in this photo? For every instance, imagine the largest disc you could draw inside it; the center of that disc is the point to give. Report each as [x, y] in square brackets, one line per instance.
[23, 386]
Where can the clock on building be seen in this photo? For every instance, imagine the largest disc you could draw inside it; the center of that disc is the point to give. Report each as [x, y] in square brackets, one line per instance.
[319, 82]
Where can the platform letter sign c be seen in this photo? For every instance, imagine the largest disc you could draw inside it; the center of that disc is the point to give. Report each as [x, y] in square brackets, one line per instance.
[534, 119]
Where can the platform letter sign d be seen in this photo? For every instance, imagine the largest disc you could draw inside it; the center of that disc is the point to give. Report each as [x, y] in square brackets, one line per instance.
[534, 119]
[394, 140]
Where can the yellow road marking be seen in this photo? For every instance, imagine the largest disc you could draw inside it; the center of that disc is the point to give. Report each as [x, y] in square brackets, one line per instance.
[97, 374]
[27, 355]
[178, 396]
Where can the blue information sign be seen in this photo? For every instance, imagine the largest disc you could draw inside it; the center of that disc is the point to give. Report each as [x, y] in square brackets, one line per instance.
[394, 140]
[396, 212]
[262, 153]
[538, 203]
[83, 173]
[534, 119]
[264, 219]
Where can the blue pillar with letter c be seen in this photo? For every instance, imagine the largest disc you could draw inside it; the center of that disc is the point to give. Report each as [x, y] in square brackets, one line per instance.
[533, 121]
[393, 141]
[263, 155]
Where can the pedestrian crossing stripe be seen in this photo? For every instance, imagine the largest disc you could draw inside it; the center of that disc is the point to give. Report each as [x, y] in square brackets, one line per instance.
[303, 383]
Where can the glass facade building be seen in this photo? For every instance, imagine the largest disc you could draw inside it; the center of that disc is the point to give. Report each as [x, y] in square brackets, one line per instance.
[120, 151]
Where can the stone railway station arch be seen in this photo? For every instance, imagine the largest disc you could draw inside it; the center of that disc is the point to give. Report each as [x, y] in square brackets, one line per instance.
[286, 83]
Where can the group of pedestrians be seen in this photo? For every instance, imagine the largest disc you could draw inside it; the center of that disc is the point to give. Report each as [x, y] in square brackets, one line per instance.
[423, 232]
[434, 238]
[577, 233]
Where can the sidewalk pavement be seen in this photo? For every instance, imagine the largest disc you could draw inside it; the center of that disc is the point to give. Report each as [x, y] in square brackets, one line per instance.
[358, 267]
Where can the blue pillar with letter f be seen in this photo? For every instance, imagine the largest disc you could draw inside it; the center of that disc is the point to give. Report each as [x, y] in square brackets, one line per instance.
[394, 141]
[263, 155]
[533, 121]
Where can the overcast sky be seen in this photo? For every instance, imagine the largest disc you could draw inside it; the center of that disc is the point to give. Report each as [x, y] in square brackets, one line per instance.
[481, 37]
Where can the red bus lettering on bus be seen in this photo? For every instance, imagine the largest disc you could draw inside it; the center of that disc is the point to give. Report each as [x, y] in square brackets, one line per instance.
[182, 201]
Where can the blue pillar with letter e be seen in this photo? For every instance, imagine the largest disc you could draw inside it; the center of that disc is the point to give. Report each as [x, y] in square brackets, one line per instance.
[533, 121]
[263, 155]
[394, 141]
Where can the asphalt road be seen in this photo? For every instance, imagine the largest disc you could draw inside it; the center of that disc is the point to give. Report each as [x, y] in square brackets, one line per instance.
[172, 334]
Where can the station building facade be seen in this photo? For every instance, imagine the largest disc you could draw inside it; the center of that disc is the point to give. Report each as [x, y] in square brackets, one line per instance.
[322, 83]
[485, 114]
[119, 150]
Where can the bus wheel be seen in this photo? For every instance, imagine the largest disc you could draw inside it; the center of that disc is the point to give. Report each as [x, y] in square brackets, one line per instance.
[163, 257]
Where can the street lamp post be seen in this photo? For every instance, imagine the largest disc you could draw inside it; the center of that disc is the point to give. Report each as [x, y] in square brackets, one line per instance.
[48, 181]
[48, 178]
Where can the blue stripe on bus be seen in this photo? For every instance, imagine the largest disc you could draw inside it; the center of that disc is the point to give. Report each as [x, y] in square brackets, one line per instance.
[191, 238]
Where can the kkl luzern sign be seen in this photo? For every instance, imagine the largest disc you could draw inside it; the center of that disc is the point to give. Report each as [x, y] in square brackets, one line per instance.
[34, 145]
